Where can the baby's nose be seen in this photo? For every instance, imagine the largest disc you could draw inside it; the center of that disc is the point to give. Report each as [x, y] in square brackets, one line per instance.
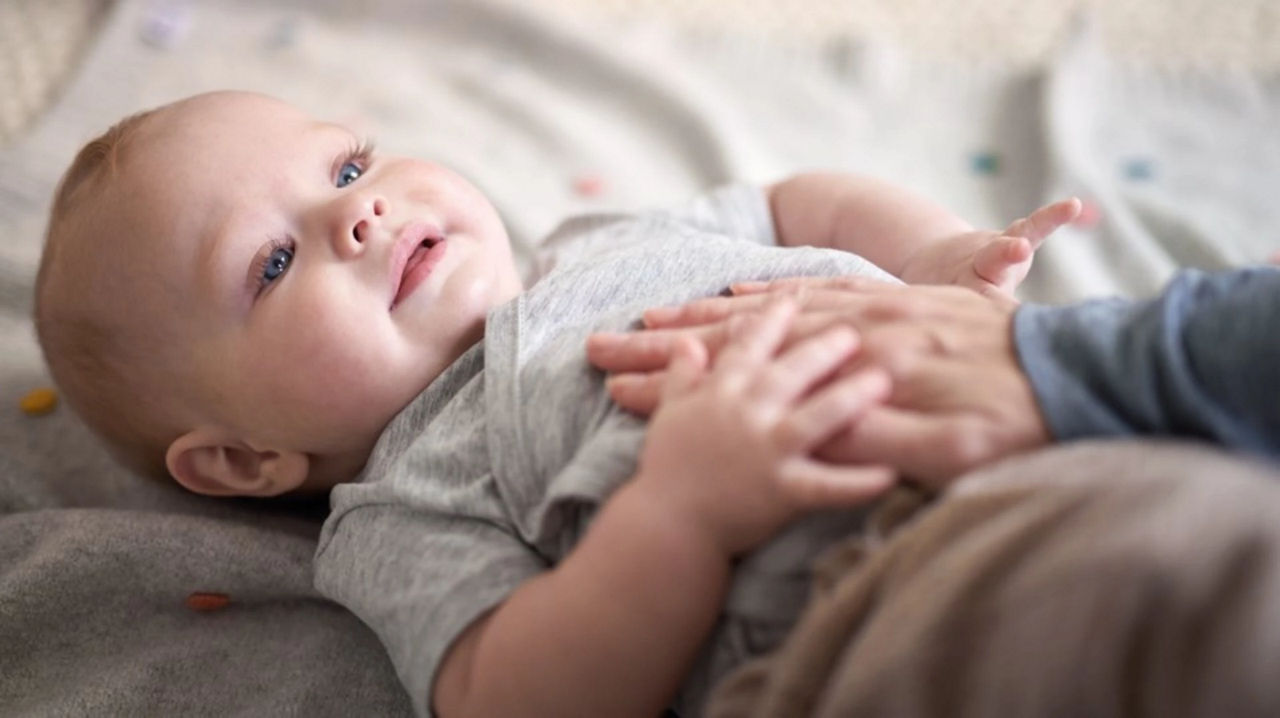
[351, 240]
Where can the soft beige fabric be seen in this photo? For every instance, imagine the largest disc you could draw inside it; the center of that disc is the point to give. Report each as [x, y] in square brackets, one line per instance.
[1177, 33]
[41, 41]
[1104, 579]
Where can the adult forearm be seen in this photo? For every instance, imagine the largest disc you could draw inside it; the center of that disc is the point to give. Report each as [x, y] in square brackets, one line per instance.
[612, 630]
[1201, 360]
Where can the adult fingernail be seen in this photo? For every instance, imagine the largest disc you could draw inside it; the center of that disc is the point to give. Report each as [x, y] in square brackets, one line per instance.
[748, 287]
[658, 315]
[604, 340]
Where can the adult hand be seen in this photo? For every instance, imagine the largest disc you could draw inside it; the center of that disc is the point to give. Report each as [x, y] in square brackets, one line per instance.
[730, 449]
[959, 397]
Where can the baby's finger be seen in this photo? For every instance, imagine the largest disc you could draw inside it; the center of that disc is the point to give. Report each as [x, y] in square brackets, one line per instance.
[688, 362]
[811, 484]
[998, 261]
[638, 393]
[1043, 222]
[832, 409]
[804, 364]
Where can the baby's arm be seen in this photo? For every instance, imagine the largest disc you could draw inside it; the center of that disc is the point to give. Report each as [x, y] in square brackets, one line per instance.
[613, 629]
[908, 235]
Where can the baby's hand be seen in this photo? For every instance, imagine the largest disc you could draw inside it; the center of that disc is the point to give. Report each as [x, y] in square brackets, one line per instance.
[730, 447]
[990, 262]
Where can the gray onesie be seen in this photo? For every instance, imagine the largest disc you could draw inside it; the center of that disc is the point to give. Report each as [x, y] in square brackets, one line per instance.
[491, 475]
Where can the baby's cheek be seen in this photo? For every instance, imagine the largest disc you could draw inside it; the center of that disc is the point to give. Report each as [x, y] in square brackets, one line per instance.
[338, 370]
[320, 380]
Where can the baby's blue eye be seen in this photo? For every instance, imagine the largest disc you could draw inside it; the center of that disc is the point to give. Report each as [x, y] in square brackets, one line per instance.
[349, 173]
[276, 263]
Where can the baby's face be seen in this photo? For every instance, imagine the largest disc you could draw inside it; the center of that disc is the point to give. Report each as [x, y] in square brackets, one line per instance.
[320, 287]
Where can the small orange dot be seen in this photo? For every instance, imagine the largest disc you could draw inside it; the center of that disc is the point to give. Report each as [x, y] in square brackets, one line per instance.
[39, 402]
[206, 602]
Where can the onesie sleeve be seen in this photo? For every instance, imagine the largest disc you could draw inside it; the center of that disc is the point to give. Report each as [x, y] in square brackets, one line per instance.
[1201, 360]
[739, 211]
[419, 579]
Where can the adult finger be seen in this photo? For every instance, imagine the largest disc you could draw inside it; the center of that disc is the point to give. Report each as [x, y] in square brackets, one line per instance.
[650, 349]
[688, 362]
[810, 484]
[638, 393]
[702, 311]
[715, 309]
[930, 447]
[645, 350]
[845, 283]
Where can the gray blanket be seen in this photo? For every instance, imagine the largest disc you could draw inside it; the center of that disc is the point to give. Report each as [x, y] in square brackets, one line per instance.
[95, 571]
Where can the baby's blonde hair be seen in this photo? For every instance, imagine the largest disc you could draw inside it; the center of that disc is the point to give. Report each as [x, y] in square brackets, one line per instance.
[105, 366]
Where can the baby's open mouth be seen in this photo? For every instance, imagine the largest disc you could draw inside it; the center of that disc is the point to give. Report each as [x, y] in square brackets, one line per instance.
[420, 263]
[423, 246]
[419, 253]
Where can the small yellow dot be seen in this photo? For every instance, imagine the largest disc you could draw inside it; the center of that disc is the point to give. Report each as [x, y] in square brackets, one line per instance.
[39, 402]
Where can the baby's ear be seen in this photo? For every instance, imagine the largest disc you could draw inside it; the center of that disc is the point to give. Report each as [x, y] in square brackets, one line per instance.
[212, 462]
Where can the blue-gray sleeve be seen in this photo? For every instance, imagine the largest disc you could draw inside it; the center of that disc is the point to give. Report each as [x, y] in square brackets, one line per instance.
[1200, 360]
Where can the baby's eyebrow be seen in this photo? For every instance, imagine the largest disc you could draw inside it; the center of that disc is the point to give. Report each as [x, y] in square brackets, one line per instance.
[344, 130]
[228, 281]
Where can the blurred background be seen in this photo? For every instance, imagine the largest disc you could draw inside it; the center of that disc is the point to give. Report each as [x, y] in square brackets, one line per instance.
[1161, 114]
[41, 41]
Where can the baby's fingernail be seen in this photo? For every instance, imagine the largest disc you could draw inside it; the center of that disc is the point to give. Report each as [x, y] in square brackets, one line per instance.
[658, 315]
[748, 287]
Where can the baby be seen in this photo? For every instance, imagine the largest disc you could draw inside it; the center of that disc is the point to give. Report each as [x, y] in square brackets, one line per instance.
[255, 303]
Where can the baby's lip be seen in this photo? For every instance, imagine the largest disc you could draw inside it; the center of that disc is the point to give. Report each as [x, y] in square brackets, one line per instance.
[411, 236]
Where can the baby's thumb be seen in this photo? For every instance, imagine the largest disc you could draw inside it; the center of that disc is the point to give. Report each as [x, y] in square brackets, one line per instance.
[998, 260]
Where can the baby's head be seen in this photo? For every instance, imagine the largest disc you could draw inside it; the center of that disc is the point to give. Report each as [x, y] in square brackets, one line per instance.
[242, 297]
